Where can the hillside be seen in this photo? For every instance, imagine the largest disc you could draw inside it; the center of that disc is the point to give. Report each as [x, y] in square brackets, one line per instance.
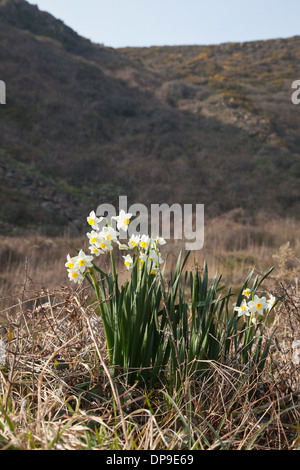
[85, 123]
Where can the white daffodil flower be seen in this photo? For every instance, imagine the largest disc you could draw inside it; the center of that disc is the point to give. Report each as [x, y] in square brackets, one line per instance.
[155, 256]
[153, 266]
[128, 261]
[247, 293]
[144, 242]
[109, 234]
[122, 246]
[75, 276]
[123, 220]
[271, 301]
[93, 237]
[243, 309]
[160, 240]
[83, 261]
[104, 244]
[95, 250]
[153, 269]
[258, 305]
[70, 262]
[101, 241]
[142, 257]
[93, 220]
[134, 241]
[153, 260]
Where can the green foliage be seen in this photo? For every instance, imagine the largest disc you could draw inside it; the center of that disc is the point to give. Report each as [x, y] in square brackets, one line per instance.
[171, 331]
[131, 322]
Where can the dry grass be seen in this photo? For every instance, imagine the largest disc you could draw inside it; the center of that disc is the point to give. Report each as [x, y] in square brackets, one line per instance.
[233, 245]
[57, 393]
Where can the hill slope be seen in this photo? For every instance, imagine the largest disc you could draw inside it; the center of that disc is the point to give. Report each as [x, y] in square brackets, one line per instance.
[84, 124]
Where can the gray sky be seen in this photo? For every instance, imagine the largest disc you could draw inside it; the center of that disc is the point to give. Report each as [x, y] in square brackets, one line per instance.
[122, 23]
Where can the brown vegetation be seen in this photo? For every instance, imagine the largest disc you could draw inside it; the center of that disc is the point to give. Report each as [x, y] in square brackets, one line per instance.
[188, 124]
[72, 402]
[233, 245]
[84, 124]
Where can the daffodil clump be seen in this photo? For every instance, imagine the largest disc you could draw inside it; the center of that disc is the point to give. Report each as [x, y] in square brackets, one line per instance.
[102, 241]
[160, 329]
[252, 305]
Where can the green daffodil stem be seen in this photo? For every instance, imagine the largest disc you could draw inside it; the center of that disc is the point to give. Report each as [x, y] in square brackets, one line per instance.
[100, 300]
[94, 281]
[113, 266]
